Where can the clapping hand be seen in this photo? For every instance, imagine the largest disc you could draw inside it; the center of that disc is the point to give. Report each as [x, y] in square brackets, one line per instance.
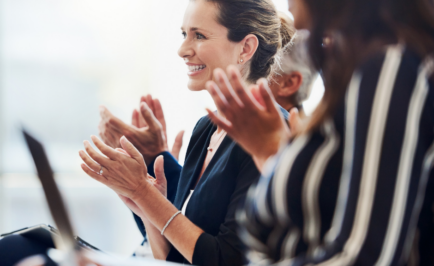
[159, 182]
[157, 110]
[250, 116]
[147, 132]
[123, 170]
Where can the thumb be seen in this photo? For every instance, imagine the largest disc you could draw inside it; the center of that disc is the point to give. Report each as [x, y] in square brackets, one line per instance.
[103, 111]
[149, 117]
[130, 149]
[177, 145]
[159, 170]
[294, 121]
[135, 118]
[267, 95]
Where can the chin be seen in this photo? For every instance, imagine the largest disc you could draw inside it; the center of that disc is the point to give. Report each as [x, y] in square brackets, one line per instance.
[196, 85]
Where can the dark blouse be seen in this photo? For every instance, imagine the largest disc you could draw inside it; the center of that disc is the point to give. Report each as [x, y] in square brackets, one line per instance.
[360, 190]
[219, 192]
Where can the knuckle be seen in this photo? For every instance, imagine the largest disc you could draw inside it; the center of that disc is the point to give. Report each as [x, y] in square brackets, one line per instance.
[110, 120]
[239, 89]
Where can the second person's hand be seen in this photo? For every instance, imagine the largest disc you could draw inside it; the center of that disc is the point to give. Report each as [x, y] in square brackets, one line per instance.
[249, 116]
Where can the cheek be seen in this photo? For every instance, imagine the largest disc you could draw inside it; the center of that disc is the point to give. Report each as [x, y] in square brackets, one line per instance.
[216, 55]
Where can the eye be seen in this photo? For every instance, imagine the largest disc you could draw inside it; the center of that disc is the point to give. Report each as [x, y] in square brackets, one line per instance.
[184, 34]
[200, 36]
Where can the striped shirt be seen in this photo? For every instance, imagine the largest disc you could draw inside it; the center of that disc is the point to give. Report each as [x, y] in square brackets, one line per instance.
[359, 190]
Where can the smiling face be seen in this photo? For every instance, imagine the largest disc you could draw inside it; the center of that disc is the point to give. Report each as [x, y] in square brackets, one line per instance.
[206, 46]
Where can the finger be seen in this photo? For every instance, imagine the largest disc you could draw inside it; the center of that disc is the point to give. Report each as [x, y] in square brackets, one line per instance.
[257, 96]
[93, 174]
[146, 99]
[103, 111]
[217, 96]
[135, 118]
[149, 117]
[130, 149]
[219, 121]
[159, 114]
[96, 156]
[111, 120]
[239, 88]
[89, 162]
[159, 170]
[267, 96]
[176, 148]
[140, 121]
[226, 88]
[105, 149]
[294, 120]
[123, 152]
[150, 102]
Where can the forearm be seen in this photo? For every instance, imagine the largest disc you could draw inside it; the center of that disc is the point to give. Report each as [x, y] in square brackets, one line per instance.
[181, 232]
[159, 245]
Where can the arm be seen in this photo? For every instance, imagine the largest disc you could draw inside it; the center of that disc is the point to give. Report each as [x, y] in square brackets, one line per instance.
[388, 155]
[112, 129]
[159, 245]
[127, 176]
[172, 172]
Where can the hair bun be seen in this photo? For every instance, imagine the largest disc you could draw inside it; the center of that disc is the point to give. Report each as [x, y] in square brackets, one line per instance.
[287, 29]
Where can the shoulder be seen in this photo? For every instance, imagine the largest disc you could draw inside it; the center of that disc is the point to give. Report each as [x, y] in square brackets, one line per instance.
[396, 57]
[202, 124]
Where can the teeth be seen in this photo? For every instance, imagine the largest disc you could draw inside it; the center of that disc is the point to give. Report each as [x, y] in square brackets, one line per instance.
[196, 68]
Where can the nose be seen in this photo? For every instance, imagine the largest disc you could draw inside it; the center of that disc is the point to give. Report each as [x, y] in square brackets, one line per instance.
[186, 50]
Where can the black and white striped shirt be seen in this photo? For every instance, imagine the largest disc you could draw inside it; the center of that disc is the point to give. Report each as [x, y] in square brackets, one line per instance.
[359, 191]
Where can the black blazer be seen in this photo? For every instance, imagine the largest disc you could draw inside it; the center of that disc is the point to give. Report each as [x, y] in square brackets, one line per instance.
[216, 197]
[221, 189]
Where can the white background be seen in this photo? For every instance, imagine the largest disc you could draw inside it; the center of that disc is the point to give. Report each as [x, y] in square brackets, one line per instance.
[60, 60]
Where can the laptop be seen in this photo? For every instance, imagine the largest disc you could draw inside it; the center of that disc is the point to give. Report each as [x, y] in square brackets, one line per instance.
[64, 237]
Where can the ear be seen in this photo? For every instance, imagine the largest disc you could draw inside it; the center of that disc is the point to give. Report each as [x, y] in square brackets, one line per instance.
[290, 83]
[249, 45]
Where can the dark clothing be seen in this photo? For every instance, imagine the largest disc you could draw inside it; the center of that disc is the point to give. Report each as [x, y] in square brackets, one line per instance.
[14, 248]
[219, 191]
[358, 191]
[172, 171]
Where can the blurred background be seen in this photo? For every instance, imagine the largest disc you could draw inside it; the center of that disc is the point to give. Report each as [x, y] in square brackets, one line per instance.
[60, 60]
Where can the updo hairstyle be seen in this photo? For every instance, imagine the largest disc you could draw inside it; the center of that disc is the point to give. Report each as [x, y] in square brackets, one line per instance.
[258, 17]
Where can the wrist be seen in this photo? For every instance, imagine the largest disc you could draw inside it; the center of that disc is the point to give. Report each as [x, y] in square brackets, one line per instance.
[260, 160]
[140, 190]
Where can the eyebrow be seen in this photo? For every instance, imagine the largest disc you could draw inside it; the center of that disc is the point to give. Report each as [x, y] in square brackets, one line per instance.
[193, 29]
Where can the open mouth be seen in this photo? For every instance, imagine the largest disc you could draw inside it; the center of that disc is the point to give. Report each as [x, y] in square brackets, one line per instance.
[195, 68]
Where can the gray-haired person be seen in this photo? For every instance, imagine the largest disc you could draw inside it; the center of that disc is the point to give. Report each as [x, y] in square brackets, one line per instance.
[294, 74]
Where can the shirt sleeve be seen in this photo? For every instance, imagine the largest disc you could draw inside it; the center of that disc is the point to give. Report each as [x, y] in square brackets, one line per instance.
[226, 248]
[388, 155]
[172, 170]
